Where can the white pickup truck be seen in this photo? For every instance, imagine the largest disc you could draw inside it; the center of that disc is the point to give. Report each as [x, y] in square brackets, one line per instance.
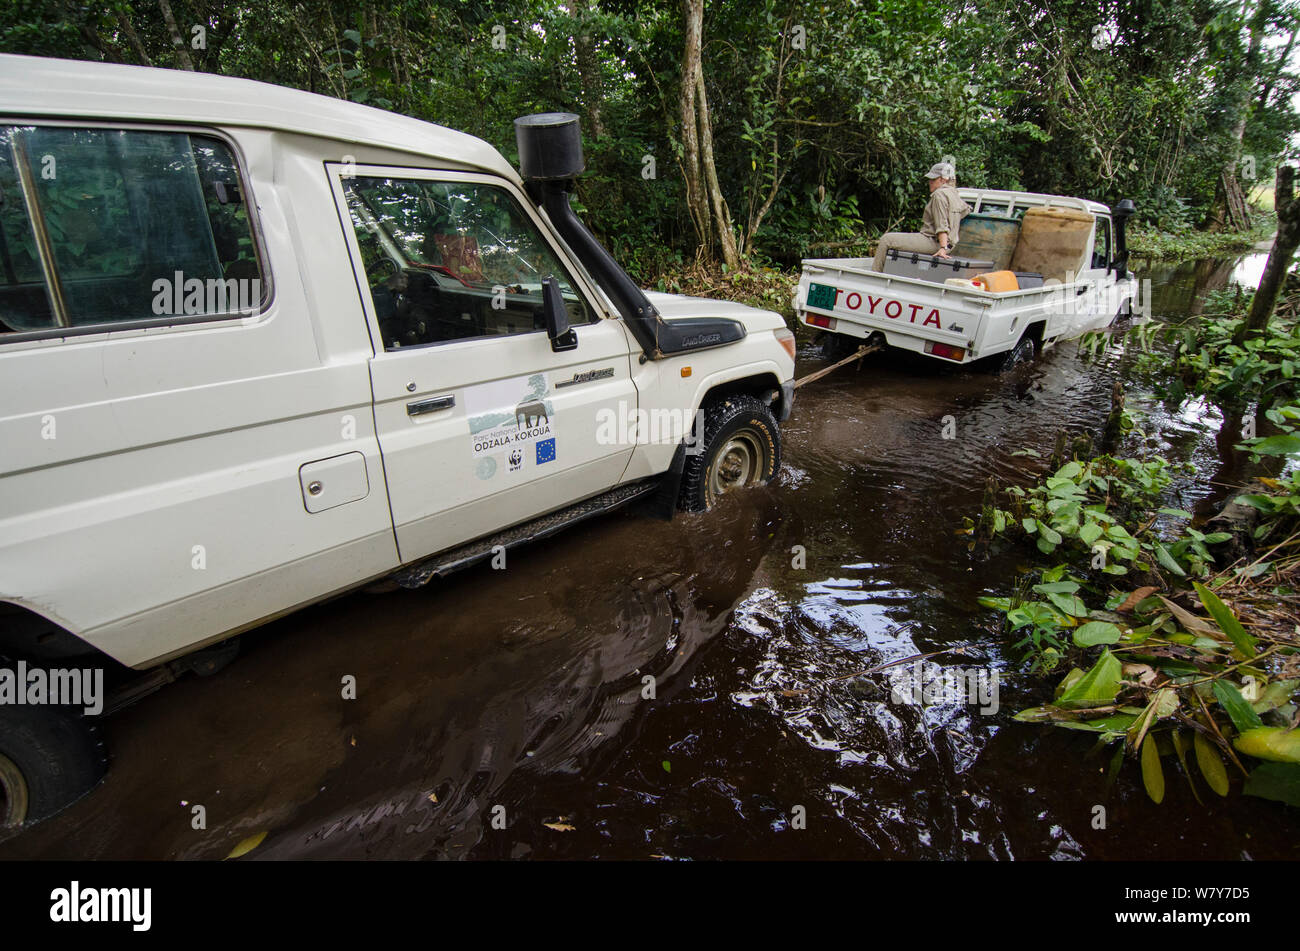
[1074, 249]
[260, 347]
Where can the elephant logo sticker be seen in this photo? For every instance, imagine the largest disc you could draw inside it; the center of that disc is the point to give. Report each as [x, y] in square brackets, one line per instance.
[530, 413]
[508, 419]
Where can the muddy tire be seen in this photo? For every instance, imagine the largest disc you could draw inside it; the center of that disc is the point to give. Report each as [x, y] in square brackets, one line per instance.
[49, 758]
[1022, 353]
[741, 447]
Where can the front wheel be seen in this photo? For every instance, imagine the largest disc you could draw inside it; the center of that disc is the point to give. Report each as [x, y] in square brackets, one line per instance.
[740, 447]
[49, 758]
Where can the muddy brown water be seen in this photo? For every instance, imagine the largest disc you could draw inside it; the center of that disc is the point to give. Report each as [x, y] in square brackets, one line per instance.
[519, 697]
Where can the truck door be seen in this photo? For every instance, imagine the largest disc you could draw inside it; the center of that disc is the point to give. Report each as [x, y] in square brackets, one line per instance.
[481, 424]
[1097, 306]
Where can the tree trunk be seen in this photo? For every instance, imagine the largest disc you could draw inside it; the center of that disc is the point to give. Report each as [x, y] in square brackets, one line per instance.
[721, 214]
[709, 212]
[178, 41]
[1229, 211]
[1279, 259]
[593, 87]
[695, 201]
[133, 39]
[1282, 61]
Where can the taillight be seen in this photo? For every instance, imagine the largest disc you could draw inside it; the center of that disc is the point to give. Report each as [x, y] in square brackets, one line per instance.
[945, 351]
[817, 320]
[785, 338]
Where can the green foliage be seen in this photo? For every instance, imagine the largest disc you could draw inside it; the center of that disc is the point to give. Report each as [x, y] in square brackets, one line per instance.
[1261, 369]
[1102, 510]
[1172, 240]
[1167, 680]
[1155, 682]
[819, 143]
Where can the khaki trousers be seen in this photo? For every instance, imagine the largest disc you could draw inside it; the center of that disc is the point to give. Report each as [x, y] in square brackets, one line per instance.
[903, 241]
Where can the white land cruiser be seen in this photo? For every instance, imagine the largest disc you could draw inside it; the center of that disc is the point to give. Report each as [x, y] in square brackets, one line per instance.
[259, 347]
[1059, 269]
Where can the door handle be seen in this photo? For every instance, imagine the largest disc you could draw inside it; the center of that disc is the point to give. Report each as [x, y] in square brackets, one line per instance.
[431, 405]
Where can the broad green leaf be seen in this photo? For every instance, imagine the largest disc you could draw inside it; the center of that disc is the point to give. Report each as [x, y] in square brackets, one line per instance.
[1115, 723]
[1277, 781]
[1153, 776]
[1211, 763]
[1282, 445]
[1098, 686]
[1167, 560]
[1069, 603]
[1226, 620]
[1270, 743]
[1057, 587]
[1096, 632]
[1275, 694]
[1068, 681]
[1163, 703]
[1235, 705]
[1089, 533]
[1038, 715]
[1116, 761]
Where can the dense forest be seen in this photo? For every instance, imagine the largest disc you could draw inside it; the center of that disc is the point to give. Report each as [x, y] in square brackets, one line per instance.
[765, 130]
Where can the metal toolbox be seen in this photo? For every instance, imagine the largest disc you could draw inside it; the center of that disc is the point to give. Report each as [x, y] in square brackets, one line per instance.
[927, 267]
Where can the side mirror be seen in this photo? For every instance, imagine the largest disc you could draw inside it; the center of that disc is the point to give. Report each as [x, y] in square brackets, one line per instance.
[557, 317]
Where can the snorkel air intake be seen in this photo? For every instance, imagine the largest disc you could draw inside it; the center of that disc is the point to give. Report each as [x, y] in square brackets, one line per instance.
[1122, 213]
[550, 157]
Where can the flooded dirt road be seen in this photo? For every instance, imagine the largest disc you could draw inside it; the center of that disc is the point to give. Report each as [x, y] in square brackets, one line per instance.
[520, 698]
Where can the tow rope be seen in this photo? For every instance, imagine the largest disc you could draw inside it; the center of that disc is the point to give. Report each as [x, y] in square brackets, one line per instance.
[861, 352]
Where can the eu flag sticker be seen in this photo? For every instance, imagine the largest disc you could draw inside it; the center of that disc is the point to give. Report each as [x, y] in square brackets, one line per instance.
[546, 450]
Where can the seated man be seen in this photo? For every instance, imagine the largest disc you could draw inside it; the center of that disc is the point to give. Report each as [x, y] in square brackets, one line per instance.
[943, 214]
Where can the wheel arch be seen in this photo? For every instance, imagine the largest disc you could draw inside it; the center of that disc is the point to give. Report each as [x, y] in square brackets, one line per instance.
[32, 634]
[764, 384]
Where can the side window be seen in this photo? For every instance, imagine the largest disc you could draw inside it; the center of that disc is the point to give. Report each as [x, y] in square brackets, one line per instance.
[452, 260]
[106, 226]
[1101, 244]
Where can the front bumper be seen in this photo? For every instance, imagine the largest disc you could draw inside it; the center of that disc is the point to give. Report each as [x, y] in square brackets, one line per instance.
[787, 401]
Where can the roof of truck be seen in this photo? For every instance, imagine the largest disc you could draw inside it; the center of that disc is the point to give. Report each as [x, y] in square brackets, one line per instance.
[996, 195]
[39, 86]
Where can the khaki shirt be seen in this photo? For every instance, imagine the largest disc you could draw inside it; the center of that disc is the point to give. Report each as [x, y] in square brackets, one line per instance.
[944, 213]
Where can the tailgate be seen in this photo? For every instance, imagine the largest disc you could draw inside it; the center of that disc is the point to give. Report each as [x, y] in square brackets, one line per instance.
[890, 303]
